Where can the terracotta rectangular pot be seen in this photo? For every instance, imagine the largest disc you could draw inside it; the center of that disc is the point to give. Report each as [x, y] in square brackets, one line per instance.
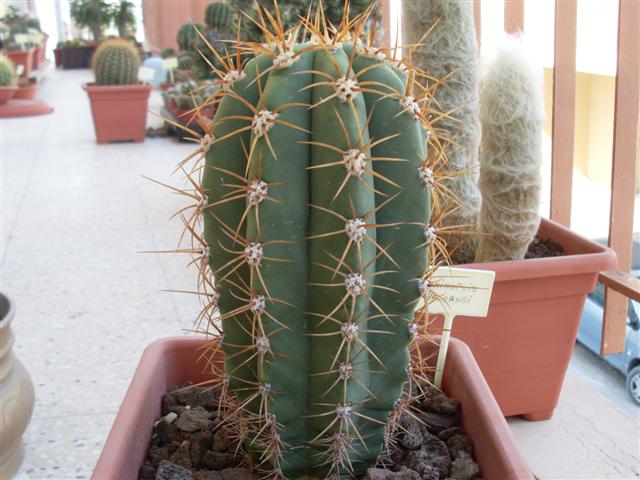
[174, 361]
[524, 345]
[119, 111]
[24, 58]
[27, 92]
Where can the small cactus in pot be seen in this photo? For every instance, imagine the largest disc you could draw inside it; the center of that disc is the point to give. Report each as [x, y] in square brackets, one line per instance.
[118, 99]
[8, 79]
[311, 227]
[116, 62]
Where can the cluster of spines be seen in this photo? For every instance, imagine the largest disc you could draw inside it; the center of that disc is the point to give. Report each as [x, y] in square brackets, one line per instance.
[116, 62]
[343, 441]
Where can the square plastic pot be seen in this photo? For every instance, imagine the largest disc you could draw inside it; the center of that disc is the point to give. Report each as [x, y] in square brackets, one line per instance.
[24, 58]
[174, 361]
[75, 57]
[524, 345]
[119, 111]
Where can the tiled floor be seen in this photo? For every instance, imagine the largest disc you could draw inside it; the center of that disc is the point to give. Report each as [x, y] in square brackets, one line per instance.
[75, 216]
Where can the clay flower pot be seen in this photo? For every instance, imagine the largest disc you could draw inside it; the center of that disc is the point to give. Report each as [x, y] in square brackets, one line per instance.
[119, 111]
[16, 395]
[37, 57]
[26, 92]
[57, 56]
[6, 94]
[24, 58]
[524, 345]
[43, 49]
[174, 361]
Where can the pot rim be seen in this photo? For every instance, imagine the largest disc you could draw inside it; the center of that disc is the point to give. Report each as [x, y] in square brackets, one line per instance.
[130, 432]
[140, 86]
[584, 256]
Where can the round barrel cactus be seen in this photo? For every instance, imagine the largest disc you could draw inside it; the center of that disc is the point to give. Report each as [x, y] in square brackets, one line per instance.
[116, 62]
[187, 35]
[8, 76]
[315, 199]
[218, 16]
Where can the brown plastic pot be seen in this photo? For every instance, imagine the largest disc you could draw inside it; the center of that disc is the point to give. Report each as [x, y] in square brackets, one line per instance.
[174, 361]
[24, 58]
[119, 111]
[524, 345]
[27, 92]
[6, 94]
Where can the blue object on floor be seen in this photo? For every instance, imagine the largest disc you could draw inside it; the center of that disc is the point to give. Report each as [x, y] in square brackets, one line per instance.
[155, 63]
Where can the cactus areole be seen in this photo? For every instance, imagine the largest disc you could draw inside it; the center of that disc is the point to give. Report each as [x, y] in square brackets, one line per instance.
[315, 210]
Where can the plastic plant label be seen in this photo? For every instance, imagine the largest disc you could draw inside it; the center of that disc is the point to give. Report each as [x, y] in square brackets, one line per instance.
[170, 63]
[456, 291]
[461, 291]
[146, 74]
[21, 38]
[19, 69]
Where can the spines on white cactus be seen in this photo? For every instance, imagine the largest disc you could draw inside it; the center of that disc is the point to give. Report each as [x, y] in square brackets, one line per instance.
[449, 51]
[512, 117]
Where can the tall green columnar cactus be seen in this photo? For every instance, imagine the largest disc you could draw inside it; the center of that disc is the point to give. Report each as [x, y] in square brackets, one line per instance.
[315, 201]
[512, 116]
[449, 52]
[187, 35]
[116, 62]
[218, 16]
[8, 76]
[315, 198]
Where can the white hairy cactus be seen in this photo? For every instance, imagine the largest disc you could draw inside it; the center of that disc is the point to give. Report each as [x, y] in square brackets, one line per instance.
[512, 116]
[450, 51]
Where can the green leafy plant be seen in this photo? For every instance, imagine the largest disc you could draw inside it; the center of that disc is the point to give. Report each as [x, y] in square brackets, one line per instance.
[95, 15]
[315, 201]
[8, 77]
[116, 62]
[124, 18]
[14, 23]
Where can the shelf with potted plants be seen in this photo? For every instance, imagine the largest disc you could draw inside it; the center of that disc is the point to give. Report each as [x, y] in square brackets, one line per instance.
[309, 203]
[543, 270]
